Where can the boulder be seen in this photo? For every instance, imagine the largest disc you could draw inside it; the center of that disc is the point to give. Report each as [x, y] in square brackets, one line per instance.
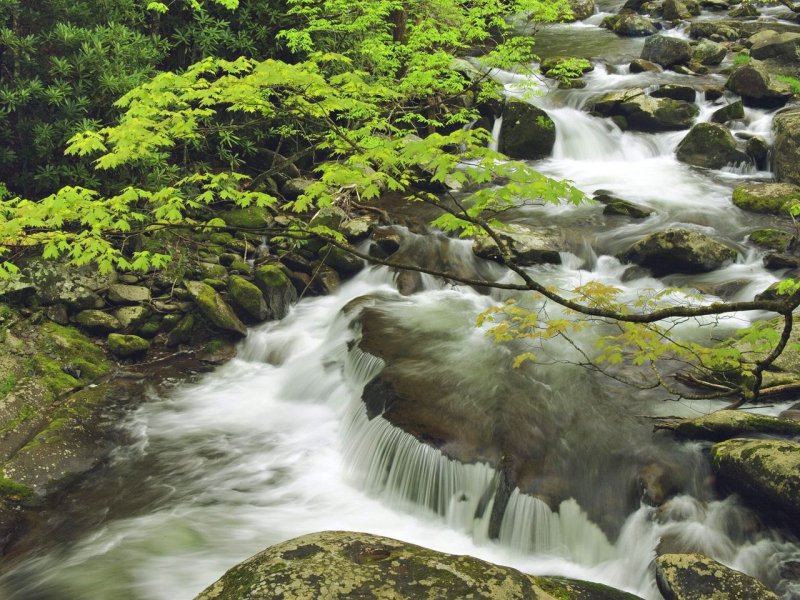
[771, 44]
[726, 424]
[132, 316]
[527, 245]
[618, 206]
[528, 133]
[645, 113]
[679, 251]
[766, 471]
[630, 25]
[278, 290]
[253, 218]
[181, 333]
[339, 565]
[582, 9]
[57, 283]
[770, 239]
[126, 346]
[640, 65]
[97, 321]
[296, 187]
[757, 148]
[710, 145]
[341, 261]
[714, 29]
[676, 92]
[707, 52]
[667, 51]
[786, 149]
[247, 299]
[766, 197]
[697, 577]
[120, 293]
[550, 65]
[214, 308]
[745, 10]
[675, 10]
[753, 83]
[730, 112]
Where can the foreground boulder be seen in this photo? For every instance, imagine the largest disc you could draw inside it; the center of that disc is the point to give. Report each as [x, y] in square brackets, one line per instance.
[710, 145]
[339, 565]
[641, 112]
[767, 472]
[753, 83]
[769, 198]
[771, 44]
[786, 150]
[679, 251]
[214, 308]
[725, 424]
[528, 133]
[697, 577]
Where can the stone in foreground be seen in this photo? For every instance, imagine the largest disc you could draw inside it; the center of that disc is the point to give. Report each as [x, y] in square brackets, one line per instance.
[342, 565]
[697, 577]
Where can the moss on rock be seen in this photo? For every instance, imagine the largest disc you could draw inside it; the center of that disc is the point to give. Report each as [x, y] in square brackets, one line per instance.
[126, 346]
[697, 577]
[771, 239]
[770, 198]
[214, 308]
[725, 424]
[247, 298]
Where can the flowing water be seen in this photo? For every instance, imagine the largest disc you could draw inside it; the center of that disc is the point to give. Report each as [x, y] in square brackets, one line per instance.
[277, 443]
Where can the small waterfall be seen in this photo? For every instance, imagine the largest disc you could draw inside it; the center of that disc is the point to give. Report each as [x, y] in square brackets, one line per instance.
[497, 126]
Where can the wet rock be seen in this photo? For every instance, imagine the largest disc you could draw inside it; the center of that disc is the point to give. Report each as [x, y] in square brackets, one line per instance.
[679, 251]
[279, 292]
[528, 132]
[126, 346]
[757, 148]
[776, 261]
[120, 293]
[325, 281]
[697, 577]
[745, 10]
[771, 44]
[707, 52]
[640, 65]
[553, 63]
[793, 413]
[296, 187]
[337, 565]
[658, 483]
[132, 316]
[645, 113]
[786, 149]
[247, 299]
[527, 245]
[582, 9]
[718, 5]
[181, 333]
[771, 239]
[358, 228]
[710, 145]
[343, 262]
[754, 84]
[617, 206]
[767, 472]
[714, 30]
[726, 424]
[766, 197]
[667, 51]
[676, 92]
[97, 321]
[214, 308]
[630, 25]
[387, 239]
[730, 112]
[675, 10]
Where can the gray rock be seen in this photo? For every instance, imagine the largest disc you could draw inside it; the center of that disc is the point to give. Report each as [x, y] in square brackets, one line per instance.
[765, 471]
[710, 145]
[618, 206]
[697, 577]
[725, 424]
[527, 245]
[277, 288]
[757, 148]
[214, 308]
[639, 65]
[630, 25]
[679, 251]
[753, 83]
[120, 293]
[127, 346]
[339, 565]
[294, 188]
[582, 9]
[676, 92]
[675, 10]
[786, 149]
[645, 113]
[745, 10]
[57, 283]
[771, 44]
[667, 51]
[528, 132]
[182, 332]
[730, 112]
[707, 52]
[97, 321]
[132, 316]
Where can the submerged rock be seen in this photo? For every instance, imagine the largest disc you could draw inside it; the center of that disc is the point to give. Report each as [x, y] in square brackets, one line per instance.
[338, 565]
[786, 149]
[697, 577]
[770, 198]
[724, 424]
[710, 145]
[767, 472]
[679, 251]
[528, 132]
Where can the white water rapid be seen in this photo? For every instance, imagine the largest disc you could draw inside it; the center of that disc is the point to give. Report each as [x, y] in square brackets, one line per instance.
[277, 443]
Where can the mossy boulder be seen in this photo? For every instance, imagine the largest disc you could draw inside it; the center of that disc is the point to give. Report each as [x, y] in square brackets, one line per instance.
[618, 206]
[698, 577]
[707, 52]
[527, 245]
[726, 424]
[550, 66]
[730, 112]
[581, 9]
[754, 84]
[667, 51]
[247, 299]
[214, 308]
[642, 112]
[98, 322]
[770, 239]
[120, 293]
[772, 44]
[338, 565]
[786, 149]
[132, 316]
[766, 471]
[709, 145]
[769, 198]
[126, 346]
[277, 288]
[630, 24]
[528, 132]
[181, 333]
[344, 263]
[252, 217]
[679, 250]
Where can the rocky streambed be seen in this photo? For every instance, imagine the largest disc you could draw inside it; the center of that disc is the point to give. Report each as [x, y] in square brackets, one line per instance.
[376, 405]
